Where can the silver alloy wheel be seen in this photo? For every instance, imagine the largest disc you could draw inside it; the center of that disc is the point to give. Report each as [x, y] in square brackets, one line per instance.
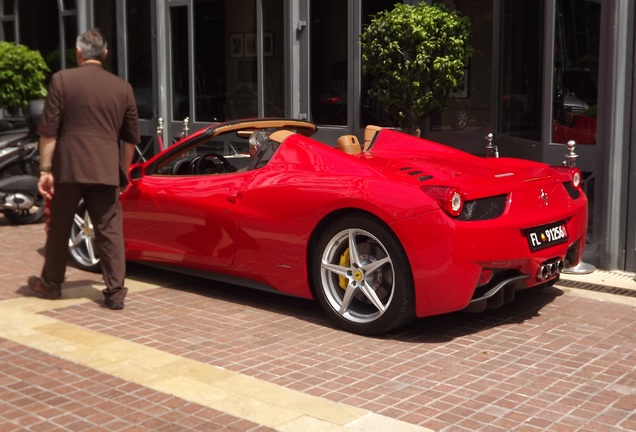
[357, 276]
[81, 243]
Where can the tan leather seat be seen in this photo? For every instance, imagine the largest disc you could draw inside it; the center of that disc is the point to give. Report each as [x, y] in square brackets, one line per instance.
[349, 144]
[369, 134]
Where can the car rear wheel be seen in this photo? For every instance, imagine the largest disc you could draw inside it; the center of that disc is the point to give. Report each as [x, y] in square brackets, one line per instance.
[361, 276]
[81, 244]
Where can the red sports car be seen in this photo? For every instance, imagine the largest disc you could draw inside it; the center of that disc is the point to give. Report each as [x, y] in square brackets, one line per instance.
[380, 233]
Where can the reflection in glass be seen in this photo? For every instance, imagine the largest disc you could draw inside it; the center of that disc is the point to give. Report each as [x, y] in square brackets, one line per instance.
[179, 65]
[8, 31]
[273, 90]
[521, 68]
[576, 51]
[227, 58]
[239, 75]
[470, 105]
[70, 34]
[210, 60]
[329, 85]
[104, 14]
[370, 111]
[7, 8]
[46, 24]
[139, 55]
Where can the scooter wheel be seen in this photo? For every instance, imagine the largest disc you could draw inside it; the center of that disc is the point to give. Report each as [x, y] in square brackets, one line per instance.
[29, 216]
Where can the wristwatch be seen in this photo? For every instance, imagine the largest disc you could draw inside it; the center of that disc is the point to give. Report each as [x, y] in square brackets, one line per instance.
[45, 169]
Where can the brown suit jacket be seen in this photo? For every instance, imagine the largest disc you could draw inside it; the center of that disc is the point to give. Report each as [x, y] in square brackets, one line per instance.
[88, 110]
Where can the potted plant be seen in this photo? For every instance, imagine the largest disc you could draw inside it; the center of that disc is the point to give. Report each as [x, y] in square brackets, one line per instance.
[22, 79]
[414, 57]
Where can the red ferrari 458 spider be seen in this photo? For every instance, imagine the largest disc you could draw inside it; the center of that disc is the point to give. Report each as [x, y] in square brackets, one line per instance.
[380, 232]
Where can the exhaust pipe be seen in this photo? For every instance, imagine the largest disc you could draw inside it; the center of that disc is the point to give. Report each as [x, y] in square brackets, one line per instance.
[544, 272]
[550, 269]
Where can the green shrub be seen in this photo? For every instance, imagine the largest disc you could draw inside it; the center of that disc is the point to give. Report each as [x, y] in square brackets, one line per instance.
[22, 75]
[414, 57]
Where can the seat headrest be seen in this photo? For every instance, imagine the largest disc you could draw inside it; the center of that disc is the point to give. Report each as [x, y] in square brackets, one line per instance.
[369, 134]
[349, 144]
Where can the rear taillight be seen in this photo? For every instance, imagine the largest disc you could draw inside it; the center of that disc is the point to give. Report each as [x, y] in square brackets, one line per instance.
[573, 174]
[450, 199]
[576, 177]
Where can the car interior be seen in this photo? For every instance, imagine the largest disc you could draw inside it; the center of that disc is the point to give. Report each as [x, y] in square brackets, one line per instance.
[224, 154]
[229, 153]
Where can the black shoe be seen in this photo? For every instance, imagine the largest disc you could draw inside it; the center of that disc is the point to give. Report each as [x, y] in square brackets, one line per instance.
[40, 290]
[115, 299]
[114, 305]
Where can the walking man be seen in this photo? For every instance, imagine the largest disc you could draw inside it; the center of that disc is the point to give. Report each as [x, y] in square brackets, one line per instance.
[87, 112]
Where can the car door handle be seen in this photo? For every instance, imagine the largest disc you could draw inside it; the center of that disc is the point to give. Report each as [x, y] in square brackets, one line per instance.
[234, 199]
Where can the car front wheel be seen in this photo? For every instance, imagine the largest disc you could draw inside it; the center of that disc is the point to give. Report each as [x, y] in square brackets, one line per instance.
[362, 277]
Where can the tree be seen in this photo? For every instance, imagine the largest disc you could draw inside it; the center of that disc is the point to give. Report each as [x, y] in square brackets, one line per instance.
[22, 75]
[414, 57]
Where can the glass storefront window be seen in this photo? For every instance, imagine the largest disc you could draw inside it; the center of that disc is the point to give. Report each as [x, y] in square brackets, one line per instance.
[210, 64]
[470, 106]
[521, 68]
[227, 59]
[8, 31]
[46, 40]
[329, 62]
[140, 55]
[7, 7]
[370, 111]
[70, 36]
[105, 20]
[179, 64]
[575, 89]
[273, 58]
[234, 75]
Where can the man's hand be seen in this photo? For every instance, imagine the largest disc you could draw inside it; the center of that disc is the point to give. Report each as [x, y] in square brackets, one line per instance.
[45, 185]
[123, 189]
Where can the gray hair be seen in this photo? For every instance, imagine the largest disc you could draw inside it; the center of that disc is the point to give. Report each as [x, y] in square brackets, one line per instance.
[92, 45]
[259, 137]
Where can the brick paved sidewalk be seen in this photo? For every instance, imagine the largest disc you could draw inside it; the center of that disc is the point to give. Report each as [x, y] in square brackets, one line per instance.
[558, 360]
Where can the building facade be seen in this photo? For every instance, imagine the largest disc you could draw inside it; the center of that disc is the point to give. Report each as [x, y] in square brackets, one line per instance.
[544, 72]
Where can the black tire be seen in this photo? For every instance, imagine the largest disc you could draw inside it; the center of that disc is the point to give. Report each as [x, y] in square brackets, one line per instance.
[32, 215]
[81, 244]
[376, 273]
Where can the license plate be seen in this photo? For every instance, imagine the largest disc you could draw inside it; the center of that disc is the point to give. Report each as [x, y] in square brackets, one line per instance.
[547, 235]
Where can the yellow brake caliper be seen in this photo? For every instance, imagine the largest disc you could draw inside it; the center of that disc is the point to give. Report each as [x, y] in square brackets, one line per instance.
[344, 262]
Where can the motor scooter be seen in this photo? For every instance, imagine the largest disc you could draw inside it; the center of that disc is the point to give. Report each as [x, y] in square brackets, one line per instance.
[20, 201]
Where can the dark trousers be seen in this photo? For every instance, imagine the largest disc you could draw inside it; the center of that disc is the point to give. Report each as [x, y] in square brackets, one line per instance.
[104, 209]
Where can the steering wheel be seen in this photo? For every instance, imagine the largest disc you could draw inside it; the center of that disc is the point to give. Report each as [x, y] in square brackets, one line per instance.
[197, 164]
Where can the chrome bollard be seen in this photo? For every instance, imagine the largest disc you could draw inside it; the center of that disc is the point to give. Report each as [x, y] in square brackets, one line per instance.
[570, 156]
[185, 129]
[491, 149]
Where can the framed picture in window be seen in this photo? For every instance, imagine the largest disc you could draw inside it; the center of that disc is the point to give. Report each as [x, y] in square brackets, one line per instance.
[250, 44]
[236, 45]
[268, 44]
